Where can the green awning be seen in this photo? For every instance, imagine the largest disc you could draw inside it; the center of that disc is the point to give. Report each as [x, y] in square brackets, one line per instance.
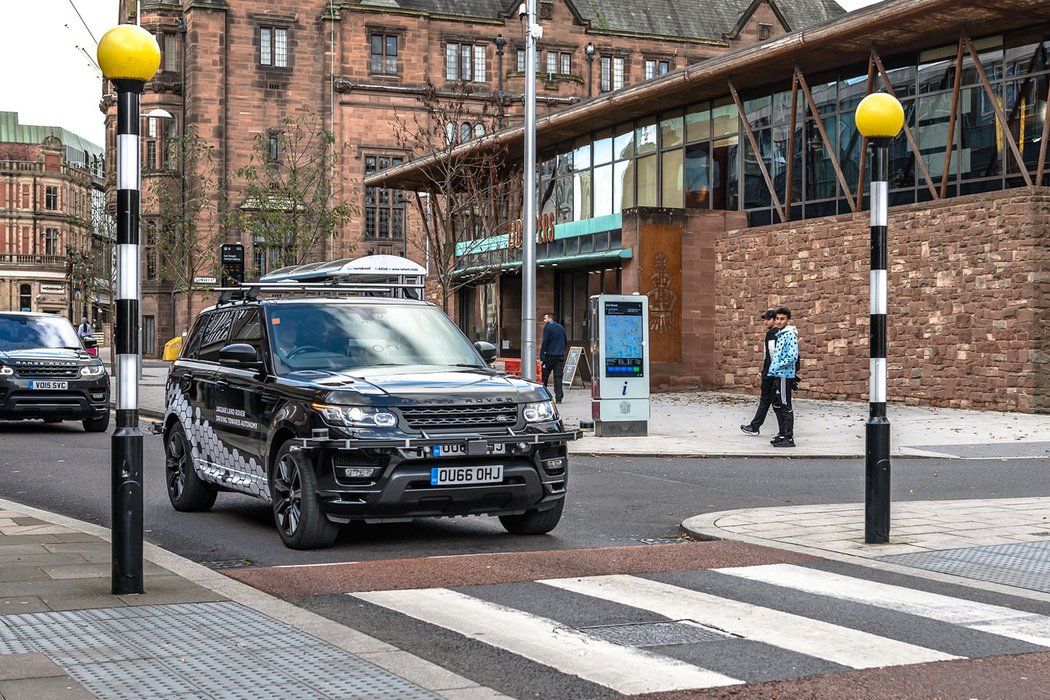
[567, 261]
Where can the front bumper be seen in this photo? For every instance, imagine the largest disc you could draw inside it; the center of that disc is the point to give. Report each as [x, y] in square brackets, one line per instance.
[535, 475]
[81, 399]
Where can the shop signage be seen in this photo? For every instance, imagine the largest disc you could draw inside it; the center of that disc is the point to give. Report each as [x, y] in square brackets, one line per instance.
[544, 231]
[204, 280]
[52, 289]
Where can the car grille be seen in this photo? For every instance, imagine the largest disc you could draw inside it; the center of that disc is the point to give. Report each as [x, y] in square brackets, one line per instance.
[501, 415]
[49, 371]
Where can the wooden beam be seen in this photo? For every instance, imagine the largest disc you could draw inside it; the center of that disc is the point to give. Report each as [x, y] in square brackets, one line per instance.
[951, 121]
[834, 156]
[791, 147]
[864, 141]
[754, 147]
[1007, 136]
[1042, 142]
[919, 162]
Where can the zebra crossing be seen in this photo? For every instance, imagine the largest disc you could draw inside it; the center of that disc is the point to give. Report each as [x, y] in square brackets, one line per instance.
[763, 622]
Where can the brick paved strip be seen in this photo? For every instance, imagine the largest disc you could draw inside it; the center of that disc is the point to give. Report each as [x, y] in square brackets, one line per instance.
[1020, 677]
[480, 569]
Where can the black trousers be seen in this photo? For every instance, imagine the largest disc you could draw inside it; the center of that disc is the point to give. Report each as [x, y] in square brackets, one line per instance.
[765, 400]
[782, 407]
[555, 364]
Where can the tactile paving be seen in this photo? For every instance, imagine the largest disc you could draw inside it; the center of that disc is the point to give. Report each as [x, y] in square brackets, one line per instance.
[1023, 564]
[656, 634]
[989, 450]
[194, 651]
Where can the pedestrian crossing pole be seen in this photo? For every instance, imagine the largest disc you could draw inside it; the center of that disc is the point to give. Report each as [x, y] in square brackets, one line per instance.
[128, 56]
[879, 119]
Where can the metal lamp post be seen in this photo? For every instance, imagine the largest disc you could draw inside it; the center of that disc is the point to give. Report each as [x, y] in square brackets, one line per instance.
[128, 56]
[533, 32]
[588, 51]
[879, 119]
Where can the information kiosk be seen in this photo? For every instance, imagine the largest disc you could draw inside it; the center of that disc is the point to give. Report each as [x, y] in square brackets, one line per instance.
[620, 362]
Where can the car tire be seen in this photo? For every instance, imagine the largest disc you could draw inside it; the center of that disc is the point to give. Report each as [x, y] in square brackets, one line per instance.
[533, 522]
[296, 507]
[186, 491]
[96, 425]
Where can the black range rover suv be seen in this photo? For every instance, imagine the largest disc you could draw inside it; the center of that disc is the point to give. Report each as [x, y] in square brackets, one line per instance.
[357, 409]
[45, 372]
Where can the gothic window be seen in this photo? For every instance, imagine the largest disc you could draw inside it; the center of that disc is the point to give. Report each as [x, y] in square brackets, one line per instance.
[465, 62]
[384, 208]
[273, 47]
[384, 54]
[51, 197]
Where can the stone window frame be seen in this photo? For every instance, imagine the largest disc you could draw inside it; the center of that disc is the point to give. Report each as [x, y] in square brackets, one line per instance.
[272, 37]
[380, 201]
[51, 197]
[478, 72]
[49, 241]
[656, 63]
[609, 64]
[387, 33]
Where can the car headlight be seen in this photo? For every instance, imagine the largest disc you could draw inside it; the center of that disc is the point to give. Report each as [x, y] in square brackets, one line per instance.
[6, 371]
[539, 411]
[92, 371]
[355, 416]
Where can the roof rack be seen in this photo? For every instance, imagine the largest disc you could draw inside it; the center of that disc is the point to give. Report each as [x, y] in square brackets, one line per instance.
[372, 275]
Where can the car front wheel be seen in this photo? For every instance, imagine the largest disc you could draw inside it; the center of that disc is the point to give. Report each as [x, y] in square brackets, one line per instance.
[533, 522]
[186, 491]
[296, 508]
[96, 425]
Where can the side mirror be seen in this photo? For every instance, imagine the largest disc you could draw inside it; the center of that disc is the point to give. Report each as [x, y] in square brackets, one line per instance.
[89, 342]
[487, 351]
[239, 354]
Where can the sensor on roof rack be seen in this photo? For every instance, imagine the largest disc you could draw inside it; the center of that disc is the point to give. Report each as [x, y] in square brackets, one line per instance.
[372, 275]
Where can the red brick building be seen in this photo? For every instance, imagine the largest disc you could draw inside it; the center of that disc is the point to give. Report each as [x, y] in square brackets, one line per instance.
[234, 69]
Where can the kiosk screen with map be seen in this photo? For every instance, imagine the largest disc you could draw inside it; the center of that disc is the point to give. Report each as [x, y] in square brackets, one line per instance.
[623, 339]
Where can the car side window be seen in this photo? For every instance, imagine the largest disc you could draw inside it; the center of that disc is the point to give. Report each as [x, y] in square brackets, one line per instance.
[247, 329]
[216, 335]
[192, 345]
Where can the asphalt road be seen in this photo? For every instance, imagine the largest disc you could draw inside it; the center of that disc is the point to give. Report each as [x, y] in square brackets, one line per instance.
[612, 501]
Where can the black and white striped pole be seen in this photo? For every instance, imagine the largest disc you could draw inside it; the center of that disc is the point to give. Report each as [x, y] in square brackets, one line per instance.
[128, 56]
[879, 119]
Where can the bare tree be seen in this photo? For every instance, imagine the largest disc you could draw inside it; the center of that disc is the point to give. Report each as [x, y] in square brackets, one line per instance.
[471, 196]
[187, 200]
[291, 202]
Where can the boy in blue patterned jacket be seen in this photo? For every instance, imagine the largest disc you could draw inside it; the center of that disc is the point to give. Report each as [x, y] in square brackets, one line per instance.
[782, 367]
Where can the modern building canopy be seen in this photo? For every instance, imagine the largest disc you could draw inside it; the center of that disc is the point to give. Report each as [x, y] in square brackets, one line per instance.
[892, 28]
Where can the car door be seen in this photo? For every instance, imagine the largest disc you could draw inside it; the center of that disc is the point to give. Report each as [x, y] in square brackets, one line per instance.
[239, 422]
[212, 454]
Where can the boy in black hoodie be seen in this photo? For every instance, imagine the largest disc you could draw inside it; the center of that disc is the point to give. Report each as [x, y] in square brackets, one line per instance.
[768, 383]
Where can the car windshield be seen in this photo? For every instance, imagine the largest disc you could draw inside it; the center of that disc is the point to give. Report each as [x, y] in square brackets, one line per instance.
[29, 332]
[349, 336]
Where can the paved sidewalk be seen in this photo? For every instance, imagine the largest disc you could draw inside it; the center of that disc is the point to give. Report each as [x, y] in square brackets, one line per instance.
[194, 633]
[707, 424]
[995, 544]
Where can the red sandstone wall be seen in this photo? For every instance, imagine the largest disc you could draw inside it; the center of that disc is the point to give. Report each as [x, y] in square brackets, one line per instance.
[969, 288]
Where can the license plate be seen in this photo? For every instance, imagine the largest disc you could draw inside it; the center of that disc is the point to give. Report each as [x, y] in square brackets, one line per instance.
[38, 384]
[449, 450]
[487, 474]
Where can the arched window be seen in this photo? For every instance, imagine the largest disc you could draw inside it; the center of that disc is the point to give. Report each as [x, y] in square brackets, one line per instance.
[25, 297]
[479, 130]
[465, 131]
[450, 133]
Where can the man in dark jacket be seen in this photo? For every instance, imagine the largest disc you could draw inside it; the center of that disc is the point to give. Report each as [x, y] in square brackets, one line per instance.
[768, 389]
[552, 353]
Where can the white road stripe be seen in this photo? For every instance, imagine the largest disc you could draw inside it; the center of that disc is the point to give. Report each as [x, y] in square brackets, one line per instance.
[624, 669]
[994, 619]
[804, 635]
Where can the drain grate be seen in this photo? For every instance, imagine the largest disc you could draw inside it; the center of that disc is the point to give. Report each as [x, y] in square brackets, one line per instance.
[988, 450]
[1024, 564]
[657, 634]
[196, 650]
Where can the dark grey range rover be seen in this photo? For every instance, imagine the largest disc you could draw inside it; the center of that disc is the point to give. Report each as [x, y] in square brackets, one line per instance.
[357, 408]
[46, 374]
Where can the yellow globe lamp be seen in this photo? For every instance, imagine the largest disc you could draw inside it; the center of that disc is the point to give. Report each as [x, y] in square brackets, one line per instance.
[879, 116]
[128, 52]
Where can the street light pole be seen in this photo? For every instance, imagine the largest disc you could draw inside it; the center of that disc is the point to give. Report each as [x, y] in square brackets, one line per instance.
[533, 32]
[588, 51]
[128, 56]
[879, 118]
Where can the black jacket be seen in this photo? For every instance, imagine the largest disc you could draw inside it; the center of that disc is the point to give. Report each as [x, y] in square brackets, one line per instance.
[554, 341]
[767, 349]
